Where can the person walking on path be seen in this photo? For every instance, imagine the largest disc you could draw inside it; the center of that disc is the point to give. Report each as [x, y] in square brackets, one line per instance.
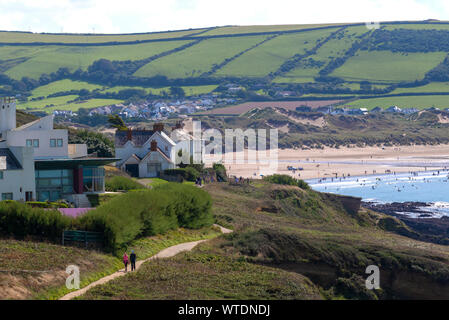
[133, 259]
[125, 261]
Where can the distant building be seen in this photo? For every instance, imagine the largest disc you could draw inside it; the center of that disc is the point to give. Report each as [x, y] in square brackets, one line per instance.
[377, 110]
[147, 153]
[38, 163]
[393, 109]
[409, 110]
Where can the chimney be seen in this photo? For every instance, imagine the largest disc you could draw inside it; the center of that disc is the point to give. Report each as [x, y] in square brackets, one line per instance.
[129, 135]
[158, 127]
[153, 145]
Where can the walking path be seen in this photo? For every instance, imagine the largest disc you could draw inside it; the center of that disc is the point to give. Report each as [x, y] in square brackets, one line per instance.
[166, 253]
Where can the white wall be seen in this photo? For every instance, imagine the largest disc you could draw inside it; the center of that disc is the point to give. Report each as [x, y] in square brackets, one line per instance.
[14, 180]
[154, 157]
[7, 115]
[18, 138]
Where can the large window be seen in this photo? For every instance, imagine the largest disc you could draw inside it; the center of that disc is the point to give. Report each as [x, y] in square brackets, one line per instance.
[53, 184]
[7, 196]
[93, 179]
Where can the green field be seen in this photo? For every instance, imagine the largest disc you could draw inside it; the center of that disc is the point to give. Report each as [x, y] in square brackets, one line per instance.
[28, 37]
[67, 85]
[267, 28]
[417, 26]
[61, 86]
[200, 58]
[431, 87]
[386, 66]
[332, 49]
[62, 103]
[47, 59]
[220, 56]
[269, 56]
[419, 102]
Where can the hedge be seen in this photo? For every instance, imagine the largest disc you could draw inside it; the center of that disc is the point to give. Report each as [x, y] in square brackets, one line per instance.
[45, 204]
[117, 183]
[287, 180]
[20, 220]
[121, 220]
[149, 212]
[188, 173]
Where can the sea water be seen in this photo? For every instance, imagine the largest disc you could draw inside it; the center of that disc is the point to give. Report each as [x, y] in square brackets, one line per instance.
[430, 186]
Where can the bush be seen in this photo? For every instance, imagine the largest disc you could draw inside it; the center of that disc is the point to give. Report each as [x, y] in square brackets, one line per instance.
[20, 220]
[117, 183]
[45, 204]
[149, 212]
[188, 173]
[220, 171]
[287, 180]
[192, 205]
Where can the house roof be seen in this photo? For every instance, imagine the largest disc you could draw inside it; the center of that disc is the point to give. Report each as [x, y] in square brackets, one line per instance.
[30, 124]
[8, 161]
[138, 137]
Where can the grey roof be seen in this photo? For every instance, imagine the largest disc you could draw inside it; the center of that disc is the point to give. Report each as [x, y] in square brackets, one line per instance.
[139, 137]
[11, 161]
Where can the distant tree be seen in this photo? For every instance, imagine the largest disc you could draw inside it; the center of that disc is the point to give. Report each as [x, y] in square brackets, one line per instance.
[177, 92]
[96, 142]
[116, 122]
[102, 65]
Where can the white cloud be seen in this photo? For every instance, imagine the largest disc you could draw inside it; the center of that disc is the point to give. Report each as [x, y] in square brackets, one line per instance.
[118, 16]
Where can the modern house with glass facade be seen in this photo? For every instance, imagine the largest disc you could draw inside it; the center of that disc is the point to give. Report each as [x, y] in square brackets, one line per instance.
[58, 170]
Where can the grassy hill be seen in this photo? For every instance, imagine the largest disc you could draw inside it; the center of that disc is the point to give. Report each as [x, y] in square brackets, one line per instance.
[310, 60]
[315, 129]
[290, 243]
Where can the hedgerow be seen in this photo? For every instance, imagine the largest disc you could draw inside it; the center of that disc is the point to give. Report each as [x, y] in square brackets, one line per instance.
[149, 212]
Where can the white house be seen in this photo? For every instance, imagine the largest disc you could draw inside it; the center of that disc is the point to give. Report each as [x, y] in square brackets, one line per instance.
[37, 162]
[147, 153]
[16, 173]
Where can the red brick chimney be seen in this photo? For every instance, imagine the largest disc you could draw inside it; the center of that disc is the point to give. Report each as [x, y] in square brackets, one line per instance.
[158, 127]
[129, 134]
[153, 145]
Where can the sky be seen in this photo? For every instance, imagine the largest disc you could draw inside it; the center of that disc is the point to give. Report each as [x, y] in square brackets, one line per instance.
[134, 16]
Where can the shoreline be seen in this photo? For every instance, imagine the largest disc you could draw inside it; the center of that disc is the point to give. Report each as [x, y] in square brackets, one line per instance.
[354, 161]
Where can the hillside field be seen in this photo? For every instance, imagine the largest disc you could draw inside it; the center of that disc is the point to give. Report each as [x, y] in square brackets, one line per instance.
[325, 60]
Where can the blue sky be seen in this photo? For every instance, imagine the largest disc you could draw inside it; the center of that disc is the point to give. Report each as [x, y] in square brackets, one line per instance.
[114, 16]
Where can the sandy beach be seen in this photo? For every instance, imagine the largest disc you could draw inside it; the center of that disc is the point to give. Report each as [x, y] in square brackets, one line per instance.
[330, 162]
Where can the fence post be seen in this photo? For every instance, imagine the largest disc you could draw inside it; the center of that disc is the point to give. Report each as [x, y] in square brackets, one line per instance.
[85, 238]
[63, 237]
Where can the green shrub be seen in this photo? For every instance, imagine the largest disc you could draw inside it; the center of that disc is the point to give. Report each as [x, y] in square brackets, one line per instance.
[20, 220]
[45, 204]
[192, 205]
[149, 212]
[188, 173]
[117, 183]
[287, 180]
[220, 172]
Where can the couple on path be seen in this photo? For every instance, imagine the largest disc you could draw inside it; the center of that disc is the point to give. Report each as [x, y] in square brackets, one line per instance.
[132, 258]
